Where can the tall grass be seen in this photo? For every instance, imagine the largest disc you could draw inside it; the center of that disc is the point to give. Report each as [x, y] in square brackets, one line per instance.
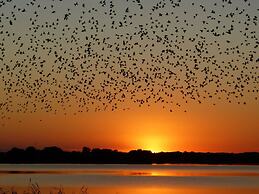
[34, 188]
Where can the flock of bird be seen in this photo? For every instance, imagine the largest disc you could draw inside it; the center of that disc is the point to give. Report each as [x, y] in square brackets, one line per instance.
[85, 55]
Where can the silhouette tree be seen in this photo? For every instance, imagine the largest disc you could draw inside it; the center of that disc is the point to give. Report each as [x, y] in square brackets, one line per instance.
[56, 155]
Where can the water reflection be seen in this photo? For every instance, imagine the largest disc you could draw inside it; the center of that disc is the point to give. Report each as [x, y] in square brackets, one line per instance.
[145, 190]
[133, 170]
[140, 179]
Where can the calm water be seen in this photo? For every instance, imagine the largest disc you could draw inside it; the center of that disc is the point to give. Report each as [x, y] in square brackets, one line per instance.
[125, 179]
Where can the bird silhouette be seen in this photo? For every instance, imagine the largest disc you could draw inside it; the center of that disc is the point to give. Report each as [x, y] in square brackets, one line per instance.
[75, 56]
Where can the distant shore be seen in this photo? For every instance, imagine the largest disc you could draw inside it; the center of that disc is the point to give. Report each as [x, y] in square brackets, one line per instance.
[55, 155]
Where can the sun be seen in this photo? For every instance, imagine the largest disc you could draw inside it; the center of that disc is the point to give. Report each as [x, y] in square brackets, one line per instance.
[150, 133]
[154, 144]
[154, 141]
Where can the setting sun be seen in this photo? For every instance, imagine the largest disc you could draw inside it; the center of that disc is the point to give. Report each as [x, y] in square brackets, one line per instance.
[151, 133]
[153, 143]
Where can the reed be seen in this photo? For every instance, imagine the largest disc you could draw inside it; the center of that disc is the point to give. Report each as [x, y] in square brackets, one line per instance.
[34, 188]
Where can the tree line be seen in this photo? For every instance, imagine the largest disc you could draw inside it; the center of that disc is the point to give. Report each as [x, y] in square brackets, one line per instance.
[107, 156]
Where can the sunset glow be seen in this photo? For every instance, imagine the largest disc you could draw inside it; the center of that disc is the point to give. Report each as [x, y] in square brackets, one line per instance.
[129, 96]
[160, 76]
[155, 144]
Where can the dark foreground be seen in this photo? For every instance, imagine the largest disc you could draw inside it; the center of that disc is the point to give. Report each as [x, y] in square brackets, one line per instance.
[107, 156]
[34, 188]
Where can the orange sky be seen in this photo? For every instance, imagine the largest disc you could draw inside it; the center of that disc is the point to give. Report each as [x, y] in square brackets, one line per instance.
[49, 64]
[224, 127]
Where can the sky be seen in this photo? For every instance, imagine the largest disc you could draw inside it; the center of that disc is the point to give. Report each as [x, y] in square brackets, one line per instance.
[157, 75]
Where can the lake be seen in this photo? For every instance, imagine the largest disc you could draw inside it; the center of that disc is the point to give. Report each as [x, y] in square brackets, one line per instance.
[126, 179]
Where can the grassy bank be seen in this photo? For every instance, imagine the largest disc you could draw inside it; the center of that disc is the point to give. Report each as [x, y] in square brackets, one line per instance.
[34, 188]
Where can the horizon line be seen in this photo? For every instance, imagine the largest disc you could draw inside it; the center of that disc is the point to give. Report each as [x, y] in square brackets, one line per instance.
[122, 151]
